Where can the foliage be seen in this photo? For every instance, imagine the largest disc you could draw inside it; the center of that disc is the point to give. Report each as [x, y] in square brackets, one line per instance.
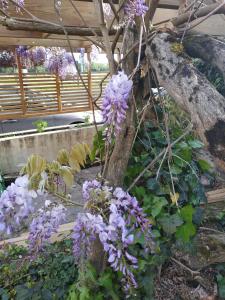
[98, 148]
[99, 67]
[43, 174]
[2, 183]
[170, 191]
[47, 276]
[40, 125]
[104, 285]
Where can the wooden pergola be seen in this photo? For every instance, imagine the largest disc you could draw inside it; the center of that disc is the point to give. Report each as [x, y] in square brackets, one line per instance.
[44, 9]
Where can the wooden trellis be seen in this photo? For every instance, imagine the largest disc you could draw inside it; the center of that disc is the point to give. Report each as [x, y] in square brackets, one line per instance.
[27, 95]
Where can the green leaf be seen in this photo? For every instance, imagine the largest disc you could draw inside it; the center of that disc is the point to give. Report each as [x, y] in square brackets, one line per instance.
[170, 223]
[185, 232]
[156, 233]
[204, 165]
[175, 170]
[195, 144]
[158, 203]
[186, 213]
[139, 191]
[84, 293]
[152, 184]
[221, 285]
[23, 292]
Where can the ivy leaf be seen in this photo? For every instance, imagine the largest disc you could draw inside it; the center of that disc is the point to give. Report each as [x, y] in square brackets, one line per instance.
[186, 213]
[170, 223]
[175, 170]
[158, 204]
[195, 144]
[204, 165]
[185, 232]
[221, 285]
[84, 293]
[152, 184]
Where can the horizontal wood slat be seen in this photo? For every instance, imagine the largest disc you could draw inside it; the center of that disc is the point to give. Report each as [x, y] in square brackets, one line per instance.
[42, 95]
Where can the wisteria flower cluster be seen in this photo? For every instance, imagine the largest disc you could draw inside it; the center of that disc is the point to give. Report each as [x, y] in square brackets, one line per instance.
[38, 56]
[7, 59]
[55, 59]
[15, 205]
[135, 8]
[44, 225]
[114, 104]
[115, 228]
[5, 4]
[60, 62]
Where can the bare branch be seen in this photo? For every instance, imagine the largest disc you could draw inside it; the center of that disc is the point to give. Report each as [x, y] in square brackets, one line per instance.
[215, 8]
[105, 33]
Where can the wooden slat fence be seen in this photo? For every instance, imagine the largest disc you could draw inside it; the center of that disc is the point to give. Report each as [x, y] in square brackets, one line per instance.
[44, 94]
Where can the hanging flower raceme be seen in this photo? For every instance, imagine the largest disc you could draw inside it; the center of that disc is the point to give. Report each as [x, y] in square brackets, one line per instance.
[44, 225]
[15, 205]
[5, 4]
[114, 104]
[135, 8]
[114, 224]
[24, 54]
[38, 56]
[7, 59]
[60, 62]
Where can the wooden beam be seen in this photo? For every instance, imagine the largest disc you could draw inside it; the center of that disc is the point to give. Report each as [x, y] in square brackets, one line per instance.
[89, 79]
[31, 25]
[22, 91]
[59, 99]
[167, 4]
[45, 42]
[21, 240]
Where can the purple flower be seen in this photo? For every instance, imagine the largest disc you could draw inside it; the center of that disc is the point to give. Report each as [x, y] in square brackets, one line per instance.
[88, 187]
[44, 225]
[135, 8]
[4, 4]
[87, 228]
[60, 62]
[115, 228]
[16, 205]
[7, 59]
[114, 104]
[38, 55]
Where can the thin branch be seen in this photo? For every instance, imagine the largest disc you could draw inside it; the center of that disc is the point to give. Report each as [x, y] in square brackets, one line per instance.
[193, 273]
[205, 11]
[152, 163]
[213, 12]
[113, 8]
[100, 13]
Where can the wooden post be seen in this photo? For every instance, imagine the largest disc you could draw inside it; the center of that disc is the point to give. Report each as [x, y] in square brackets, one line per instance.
[22, 91]
[58, 91]
[90, 98]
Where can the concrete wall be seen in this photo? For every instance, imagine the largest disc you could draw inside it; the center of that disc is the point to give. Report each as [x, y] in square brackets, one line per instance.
[14, 151]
